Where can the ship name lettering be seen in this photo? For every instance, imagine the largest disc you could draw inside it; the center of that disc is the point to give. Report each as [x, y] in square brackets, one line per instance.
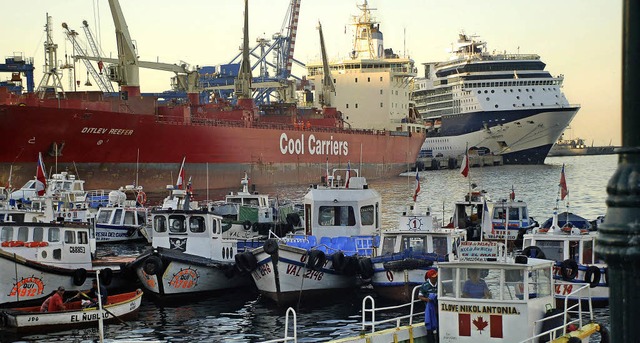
[314, 146]
[121, 132]
[94, 130]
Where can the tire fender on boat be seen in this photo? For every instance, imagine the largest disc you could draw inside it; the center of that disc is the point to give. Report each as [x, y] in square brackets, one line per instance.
[106, 276]
[153, 265]
[79, 276]
[569, 270]
[592, 276]
[365, 267]
[604, 333]
[247, 225]
[338, 261]
[246, 261]
[533, 252]
[271, 246]
[316, 260]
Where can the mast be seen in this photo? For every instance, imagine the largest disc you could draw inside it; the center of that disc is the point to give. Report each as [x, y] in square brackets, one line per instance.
[51, 77]
[243, 81]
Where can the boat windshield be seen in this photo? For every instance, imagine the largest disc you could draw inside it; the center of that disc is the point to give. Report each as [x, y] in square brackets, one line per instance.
[494, 283]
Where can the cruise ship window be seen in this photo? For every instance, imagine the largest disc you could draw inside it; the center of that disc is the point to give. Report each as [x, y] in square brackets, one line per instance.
[380, 78]
[381, 91]
[356, 80]
[347, 105]
[496, 105]
[356, 105]
[380, 104]
[518, 97]
[530, 97]
[368, 79]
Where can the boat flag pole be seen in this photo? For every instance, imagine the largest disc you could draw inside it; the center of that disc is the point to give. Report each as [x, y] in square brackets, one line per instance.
[137, 166]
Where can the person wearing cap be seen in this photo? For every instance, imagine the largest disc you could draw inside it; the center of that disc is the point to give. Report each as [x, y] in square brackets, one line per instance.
[93, 294]
[54, 303]
[429, 294]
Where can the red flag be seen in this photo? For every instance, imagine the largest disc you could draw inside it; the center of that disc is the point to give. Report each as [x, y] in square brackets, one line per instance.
[41, 177]
[563, 185]
[464, 168]
[513, 193]
[415, 194]
[180, 180]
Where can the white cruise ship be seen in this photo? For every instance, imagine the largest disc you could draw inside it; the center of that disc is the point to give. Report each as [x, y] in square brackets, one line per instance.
[495, 103]
[372, 87]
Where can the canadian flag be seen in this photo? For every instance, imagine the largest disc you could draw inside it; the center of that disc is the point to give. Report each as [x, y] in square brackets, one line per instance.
[478, 324]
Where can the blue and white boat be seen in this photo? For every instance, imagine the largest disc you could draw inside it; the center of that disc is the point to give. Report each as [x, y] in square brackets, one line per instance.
[408, 251]
[341, 220]
[496, 103]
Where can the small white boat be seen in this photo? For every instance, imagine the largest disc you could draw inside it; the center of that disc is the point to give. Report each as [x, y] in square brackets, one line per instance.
[340, 222]
[119, 307]
[408, 251]
[123, 217]
[519, 307]
[36, 258]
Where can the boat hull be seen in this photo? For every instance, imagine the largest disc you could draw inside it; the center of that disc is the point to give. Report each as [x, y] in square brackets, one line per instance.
[109, 148]
[27, 283]
[398, 283]
[520, 137]
[183, 274]
[599, 291]
[284, 277]
[31, 320]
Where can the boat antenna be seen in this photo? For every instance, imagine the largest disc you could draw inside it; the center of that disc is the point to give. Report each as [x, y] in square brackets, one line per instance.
[76, 168]
[207, 182]
[359, 171]
[137, 166]
[55, 149]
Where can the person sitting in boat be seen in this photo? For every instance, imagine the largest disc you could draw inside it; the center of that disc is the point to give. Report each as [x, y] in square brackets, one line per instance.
[93, 294]
[429, 294]
[475, 287]
[54, 303]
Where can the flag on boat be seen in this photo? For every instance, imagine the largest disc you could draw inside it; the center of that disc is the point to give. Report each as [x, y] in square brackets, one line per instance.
[180, 181]
[415, 194]
[512, 196]
[464, 168]
[9, 180]
[486, 217]
[346, 185]
[41, 177]
[190, 188]
[563, 185]
[475, 324]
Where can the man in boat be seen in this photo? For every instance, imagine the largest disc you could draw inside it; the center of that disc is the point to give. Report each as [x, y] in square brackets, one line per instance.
[429, 294]
[54, 303]
[475, 287]
[94, 293]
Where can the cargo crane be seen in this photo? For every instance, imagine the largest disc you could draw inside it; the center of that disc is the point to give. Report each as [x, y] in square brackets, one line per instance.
[96, 52]
[51, 78]
[17, 65]
[103, 82]
[265, 87]
[327, 81]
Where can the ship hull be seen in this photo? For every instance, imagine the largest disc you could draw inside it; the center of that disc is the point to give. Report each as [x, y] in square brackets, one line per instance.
[109, 149]
[520, 137]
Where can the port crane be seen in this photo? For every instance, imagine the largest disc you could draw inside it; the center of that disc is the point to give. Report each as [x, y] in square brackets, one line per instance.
[51, 78]
[103, 82]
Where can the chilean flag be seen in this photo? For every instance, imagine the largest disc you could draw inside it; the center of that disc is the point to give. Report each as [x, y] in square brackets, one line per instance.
[563, 185]
[464, 168]
[180, 180]
[41, 177]
[415, 194]
[477, 324]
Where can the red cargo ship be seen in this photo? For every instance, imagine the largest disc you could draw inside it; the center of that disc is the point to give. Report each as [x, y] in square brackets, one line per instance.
[113, 140]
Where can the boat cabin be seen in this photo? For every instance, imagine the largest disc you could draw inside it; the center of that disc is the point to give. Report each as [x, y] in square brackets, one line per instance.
[335, 210]
[487, 294]
[244, 205]
[63, 245]
[193, 232]
[420, 233]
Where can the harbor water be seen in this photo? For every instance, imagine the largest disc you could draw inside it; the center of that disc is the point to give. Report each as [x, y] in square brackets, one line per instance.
[243, 316]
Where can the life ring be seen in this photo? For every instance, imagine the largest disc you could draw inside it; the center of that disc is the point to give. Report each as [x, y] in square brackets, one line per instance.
[246, 262]
[5, 244]
[141, 198]
[316, 260]
[338, 261]
[153, 265]
[569, 270]
[271, 246]
[592, 276]
[106, 276]
[533, 252]
[247, 225]
[79, 276]
[44, 244]
[365, 268]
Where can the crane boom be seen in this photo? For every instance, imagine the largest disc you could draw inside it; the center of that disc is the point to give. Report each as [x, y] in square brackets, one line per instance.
[327, 81]
[127, 69]
[103, 82]
[290, 43]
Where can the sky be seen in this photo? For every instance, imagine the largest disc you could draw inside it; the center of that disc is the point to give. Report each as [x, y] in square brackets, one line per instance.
[580, 39]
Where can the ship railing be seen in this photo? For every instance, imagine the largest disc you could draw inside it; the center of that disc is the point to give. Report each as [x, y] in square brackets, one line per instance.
[369, 312]
[574, 313]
